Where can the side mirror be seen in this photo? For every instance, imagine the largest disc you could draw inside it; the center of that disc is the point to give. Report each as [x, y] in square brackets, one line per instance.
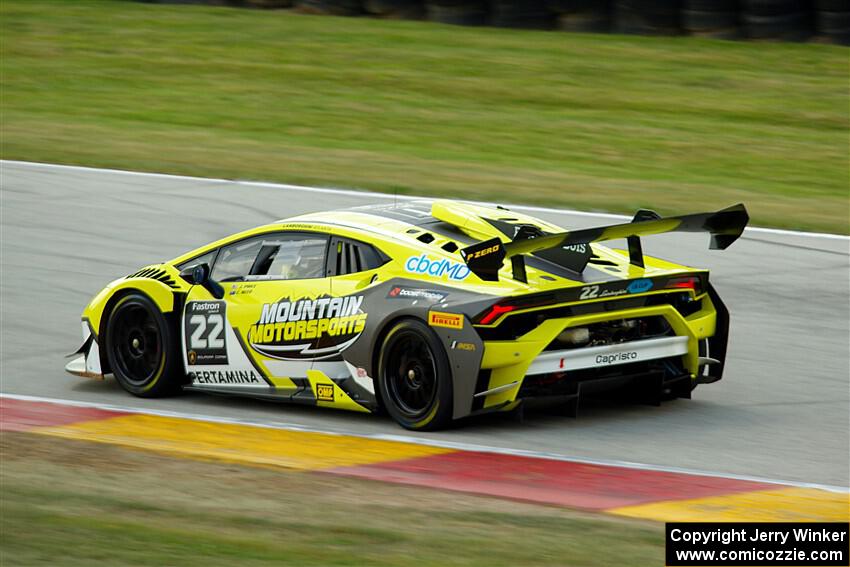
[196, 275]
[200, 275]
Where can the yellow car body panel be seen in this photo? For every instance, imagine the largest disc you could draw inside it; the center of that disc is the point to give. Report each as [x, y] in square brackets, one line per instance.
[160, 293]
[513, 364]
[317, 339]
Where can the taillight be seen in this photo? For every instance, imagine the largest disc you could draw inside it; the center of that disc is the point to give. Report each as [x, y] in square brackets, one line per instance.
[688, 282]
[496, 310]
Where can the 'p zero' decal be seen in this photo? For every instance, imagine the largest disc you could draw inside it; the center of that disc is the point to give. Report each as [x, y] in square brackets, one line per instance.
[205, 323]
[308, 328]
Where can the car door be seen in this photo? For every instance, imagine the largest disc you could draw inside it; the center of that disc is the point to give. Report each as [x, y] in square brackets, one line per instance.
[353, 267]
[258, 338]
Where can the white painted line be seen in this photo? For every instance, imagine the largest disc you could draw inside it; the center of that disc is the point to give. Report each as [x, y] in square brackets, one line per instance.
[427, 442]
[374, 195]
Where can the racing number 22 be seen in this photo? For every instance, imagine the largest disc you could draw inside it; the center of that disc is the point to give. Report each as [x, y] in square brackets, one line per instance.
[214, 339]
[589, 292]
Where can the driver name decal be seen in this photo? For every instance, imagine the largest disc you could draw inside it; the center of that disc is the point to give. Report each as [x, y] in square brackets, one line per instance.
[308, 328]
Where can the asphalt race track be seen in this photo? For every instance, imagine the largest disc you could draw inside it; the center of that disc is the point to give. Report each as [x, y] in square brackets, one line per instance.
[781, 412]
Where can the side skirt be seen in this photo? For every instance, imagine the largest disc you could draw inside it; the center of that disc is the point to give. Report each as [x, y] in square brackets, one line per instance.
[260, 393]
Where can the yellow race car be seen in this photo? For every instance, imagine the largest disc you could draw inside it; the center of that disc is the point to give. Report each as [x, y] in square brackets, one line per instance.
[432, 311]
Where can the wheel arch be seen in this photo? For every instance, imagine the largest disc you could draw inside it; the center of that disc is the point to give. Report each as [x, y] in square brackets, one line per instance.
[165, 299]
[440, 416]
[380, 336]
[97, 312]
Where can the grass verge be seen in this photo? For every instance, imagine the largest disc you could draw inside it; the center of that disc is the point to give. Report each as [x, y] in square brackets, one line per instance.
[592, 121]
[76, 503]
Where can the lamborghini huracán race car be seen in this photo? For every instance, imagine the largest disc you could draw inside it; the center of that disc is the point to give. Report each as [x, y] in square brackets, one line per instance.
[431, 311]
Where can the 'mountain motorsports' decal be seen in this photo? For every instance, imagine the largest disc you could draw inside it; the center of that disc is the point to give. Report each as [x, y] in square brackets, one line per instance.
[308, 328]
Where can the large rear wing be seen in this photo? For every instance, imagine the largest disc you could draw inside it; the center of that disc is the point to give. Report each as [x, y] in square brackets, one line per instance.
[486, 258]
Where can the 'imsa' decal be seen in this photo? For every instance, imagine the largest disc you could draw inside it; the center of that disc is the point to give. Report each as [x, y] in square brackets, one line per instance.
[204, 329]
[308, 328]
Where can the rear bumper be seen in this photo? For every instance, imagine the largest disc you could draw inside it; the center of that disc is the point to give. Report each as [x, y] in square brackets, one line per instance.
[550, 362]
[509, 367]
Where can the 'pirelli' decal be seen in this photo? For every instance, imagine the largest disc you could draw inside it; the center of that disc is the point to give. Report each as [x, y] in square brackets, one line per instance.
[448, 320]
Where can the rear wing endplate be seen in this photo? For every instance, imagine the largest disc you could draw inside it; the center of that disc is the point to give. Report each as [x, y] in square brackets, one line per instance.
[486, 258]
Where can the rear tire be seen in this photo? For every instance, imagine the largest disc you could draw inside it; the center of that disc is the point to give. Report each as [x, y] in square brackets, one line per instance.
[142, 348]
[415, 378]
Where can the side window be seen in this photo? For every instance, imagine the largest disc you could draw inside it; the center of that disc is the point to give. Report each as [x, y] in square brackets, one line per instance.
[291, 258]
[276, 256]
[207, 258]
[234, 261]
[350, 256]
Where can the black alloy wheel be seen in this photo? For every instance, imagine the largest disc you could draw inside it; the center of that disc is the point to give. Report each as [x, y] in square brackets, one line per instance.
[140, 347]
[415, 378]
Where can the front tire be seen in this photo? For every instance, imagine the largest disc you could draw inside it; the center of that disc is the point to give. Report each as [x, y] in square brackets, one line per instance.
[141, 348]
[415, 377]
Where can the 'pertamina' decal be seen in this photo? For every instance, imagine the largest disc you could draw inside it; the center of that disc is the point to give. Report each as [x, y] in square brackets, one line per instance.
[224, 377]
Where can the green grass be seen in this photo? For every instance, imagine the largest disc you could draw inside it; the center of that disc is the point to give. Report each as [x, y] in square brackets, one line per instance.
[86, 504]
[599, 122]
